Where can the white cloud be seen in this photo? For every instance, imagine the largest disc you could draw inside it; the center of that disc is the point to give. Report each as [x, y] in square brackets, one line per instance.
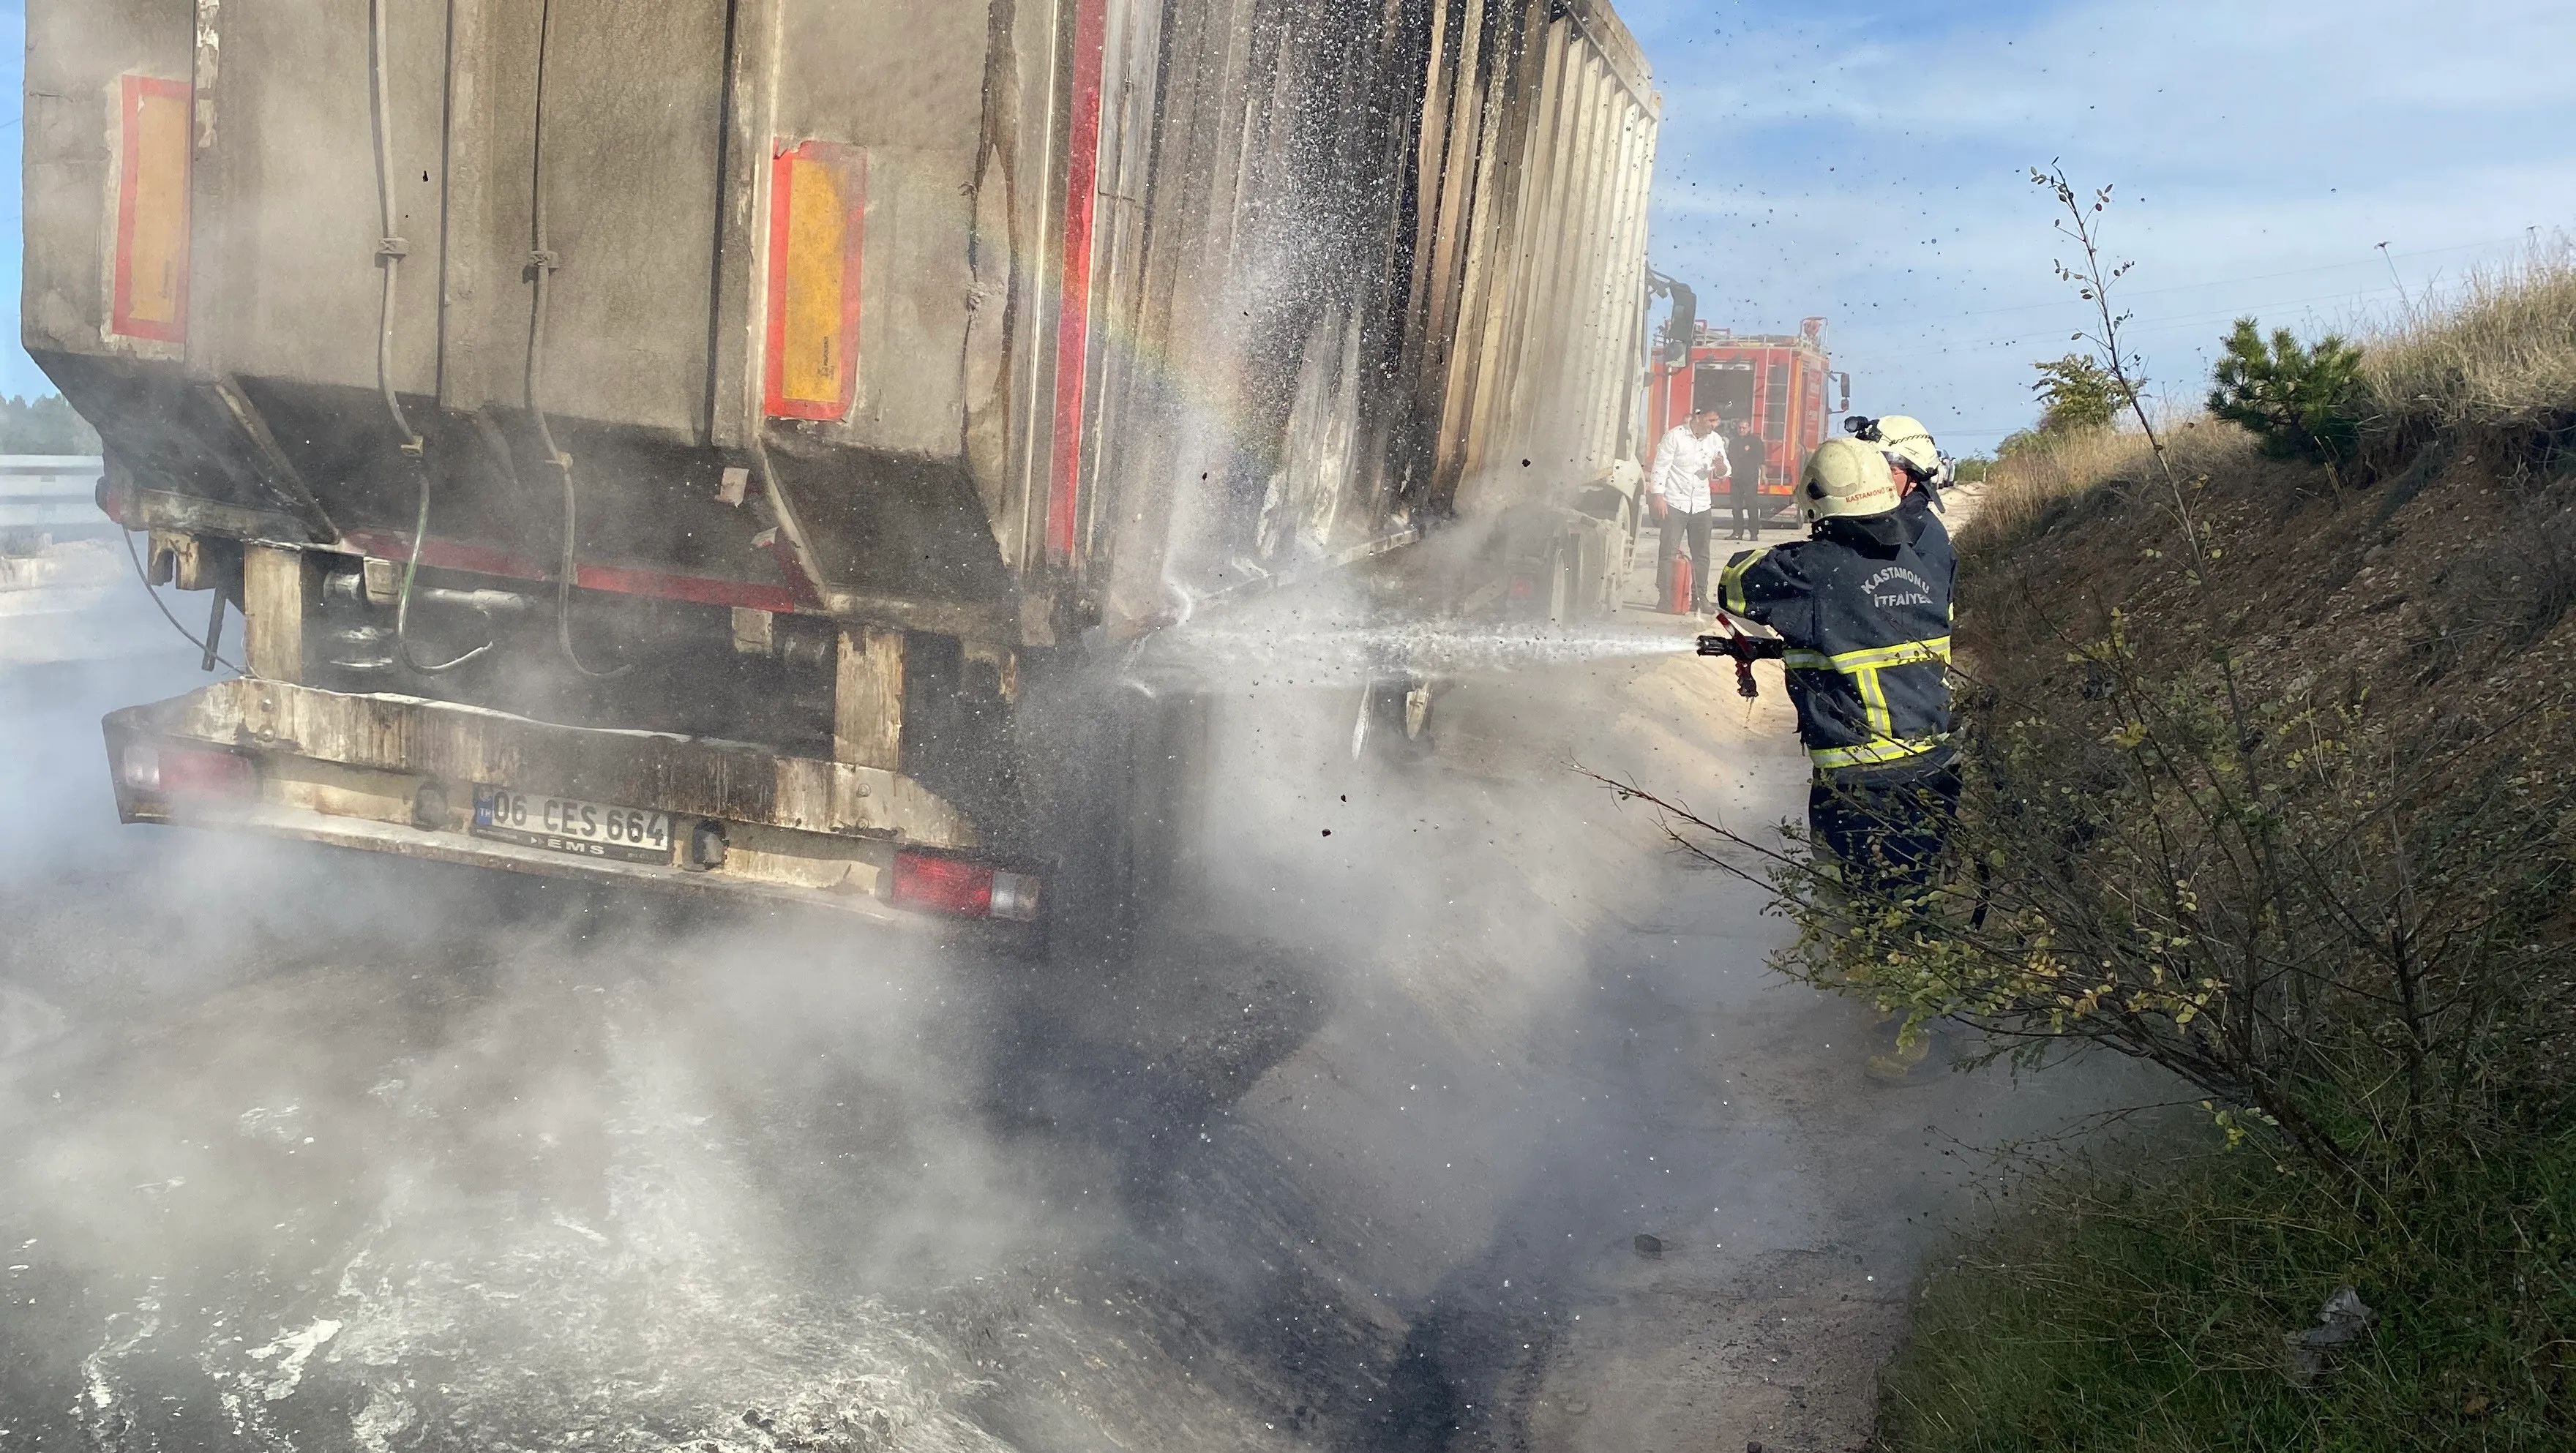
[2261, 153]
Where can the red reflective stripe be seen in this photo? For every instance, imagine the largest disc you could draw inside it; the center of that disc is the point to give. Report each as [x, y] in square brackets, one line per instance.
[478, 560]
[447, 555]
[773, 364]
[1073, 303]
[696, 589]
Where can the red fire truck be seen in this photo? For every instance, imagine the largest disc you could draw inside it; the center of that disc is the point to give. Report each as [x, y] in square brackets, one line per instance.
[1776, 383]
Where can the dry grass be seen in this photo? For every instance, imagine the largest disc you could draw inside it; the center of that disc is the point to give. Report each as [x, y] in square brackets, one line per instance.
[2027, 492]
[2137, 1303]
[2376, 702]
[2497, 358]
[2380, 663]
[2499, 355]
[2023, 489]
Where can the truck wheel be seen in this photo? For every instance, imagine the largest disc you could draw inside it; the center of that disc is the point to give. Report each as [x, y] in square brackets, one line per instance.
[1631, 532]
[1417, 711]
[1116, 773]
[1395, 719]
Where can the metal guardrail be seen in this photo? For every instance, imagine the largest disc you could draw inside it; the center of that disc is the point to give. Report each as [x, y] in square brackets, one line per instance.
[54, 494]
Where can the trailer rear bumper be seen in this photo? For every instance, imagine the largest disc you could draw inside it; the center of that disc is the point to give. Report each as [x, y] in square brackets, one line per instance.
[402, 776]
[442, 847]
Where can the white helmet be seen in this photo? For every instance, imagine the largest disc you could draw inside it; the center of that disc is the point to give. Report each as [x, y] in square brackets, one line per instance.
[1847, 479]
[1911, 442]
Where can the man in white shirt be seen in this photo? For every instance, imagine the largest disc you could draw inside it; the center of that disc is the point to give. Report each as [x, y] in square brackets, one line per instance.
[1690, 461]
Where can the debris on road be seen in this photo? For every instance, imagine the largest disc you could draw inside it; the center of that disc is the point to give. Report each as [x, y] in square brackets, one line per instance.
[2345, 1319]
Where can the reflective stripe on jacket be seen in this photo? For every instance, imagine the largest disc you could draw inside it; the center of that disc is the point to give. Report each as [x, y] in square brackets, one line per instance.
[1864, 607]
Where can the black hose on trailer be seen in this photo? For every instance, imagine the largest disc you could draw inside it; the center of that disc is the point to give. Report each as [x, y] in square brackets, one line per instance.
[390, 252]
[542, 263]
[204, 644]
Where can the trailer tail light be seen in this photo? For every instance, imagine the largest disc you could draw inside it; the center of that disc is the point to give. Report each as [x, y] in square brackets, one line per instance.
[962, 888]
[170, 772]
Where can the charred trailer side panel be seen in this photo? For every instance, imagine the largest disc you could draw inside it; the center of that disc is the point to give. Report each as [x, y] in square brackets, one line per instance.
[811, 377]
[1364, 267]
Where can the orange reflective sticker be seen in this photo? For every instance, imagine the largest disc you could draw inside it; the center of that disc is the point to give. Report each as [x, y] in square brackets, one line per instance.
[818, 209]
[151, 284]
[816, 229]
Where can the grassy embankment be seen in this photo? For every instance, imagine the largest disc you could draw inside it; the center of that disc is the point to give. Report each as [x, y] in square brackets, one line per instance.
[2351, 718]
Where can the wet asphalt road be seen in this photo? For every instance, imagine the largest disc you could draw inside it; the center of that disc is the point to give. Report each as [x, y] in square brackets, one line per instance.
[312, 1151]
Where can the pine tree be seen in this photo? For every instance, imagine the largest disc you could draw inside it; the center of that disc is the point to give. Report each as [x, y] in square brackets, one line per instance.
[2302, 402]
[45, 425]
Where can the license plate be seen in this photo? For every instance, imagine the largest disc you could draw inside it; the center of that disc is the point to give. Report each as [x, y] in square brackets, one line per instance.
[569, 825]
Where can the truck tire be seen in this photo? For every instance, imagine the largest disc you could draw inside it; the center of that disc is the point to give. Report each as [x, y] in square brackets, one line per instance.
[1116, 774]
[1564, 579]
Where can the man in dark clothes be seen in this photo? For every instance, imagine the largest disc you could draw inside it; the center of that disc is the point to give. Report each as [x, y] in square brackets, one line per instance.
[1744, 496]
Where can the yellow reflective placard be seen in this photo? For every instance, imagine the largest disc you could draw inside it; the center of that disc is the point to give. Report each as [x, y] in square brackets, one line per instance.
[818, 209]
[151, 264]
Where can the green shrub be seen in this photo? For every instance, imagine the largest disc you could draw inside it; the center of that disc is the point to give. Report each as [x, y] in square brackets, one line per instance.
[2078, 394]
[2144, 1310]
[2303, 403]
[44, 425]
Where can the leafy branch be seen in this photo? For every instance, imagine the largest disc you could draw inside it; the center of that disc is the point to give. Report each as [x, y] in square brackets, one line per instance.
[2093, 277]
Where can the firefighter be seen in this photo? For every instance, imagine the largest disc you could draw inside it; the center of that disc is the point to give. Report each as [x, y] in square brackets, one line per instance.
[1910, 446]
[1862, 609]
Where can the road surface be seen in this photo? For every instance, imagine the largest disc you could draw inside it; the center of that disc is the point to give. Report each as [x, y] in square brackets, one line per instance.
[302, 1150]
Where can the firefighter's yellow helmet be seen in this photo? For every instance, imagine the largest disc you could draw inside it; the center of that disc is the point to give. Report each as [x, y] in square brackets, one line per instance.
[1847, 479]
[1908, 438]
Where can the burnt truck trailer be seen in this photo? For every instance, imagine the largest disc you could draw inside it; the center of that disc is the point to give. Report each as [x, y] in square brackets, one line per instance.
[695, 442]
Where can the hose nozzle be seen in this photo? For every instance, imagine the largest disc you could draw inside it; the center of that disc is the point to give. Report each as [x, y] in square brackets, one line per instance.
[1744, 651]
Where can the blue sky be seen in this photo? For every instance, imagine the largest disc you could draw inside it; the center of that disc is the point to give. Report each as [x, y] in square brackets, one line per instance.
[1870, 162]
[18, 373]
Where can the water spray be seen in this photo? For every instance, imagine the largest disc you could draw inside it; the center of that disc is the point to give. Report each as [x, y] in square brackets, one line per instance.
[1343, 654]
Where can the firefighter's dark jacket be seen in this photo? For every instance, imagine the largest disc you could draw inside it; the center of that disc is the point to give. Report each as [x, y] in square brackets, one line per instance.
[1864, 609]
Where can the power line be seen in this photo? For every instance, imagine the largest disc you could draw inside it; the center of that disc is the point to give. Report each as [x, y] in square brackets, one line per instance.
[2229, 282]
[2149, 325]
